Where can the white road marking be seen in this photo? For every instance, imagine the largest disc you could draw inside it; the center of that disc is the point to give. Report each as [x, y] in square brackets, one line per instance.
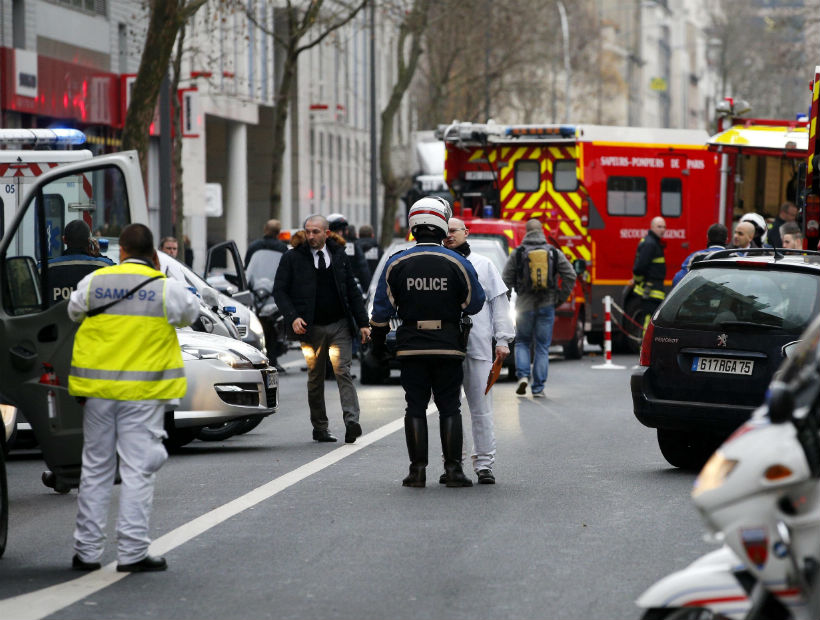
[41, 603]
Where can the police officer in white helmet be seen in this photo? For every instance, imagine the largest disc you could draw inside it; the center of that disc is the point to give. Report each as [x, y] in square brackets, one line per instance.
[430, 288]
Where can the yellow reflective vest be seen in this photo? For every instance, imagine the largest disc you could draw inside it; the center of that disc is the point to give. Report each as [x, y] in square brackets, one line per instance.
[129, 351]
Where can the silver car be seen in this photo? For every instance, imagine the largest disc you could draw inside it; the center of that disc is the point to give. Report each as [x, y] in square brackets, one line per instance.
[227, 380]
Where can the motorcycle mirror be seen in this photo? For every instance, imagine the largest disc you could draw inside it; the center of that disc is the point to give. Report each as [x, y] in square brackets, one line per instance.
[781, 403]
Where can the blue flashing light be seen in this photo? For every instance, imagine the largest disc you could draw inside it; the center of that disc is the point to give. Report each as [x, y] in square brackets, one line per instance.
[69, 136]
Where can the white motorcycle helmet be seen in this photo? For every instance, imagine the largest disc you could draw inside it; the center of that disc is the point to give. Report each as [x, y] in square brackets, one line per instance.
[430, 211]
[757, 221]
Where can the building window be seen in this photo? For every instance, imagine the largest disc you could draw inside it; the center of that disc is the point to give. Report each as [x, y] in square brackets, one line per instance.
[626, 196]
[97, 7]
[671, 197]
[527, 175]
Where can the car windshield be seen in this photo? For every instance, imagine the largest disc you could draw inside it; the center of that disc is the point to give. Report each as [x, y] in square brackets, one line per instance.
[722, 298]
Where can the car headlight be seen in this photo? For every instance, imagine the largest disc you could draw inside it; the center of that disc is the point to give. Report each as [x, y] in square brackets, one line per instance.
[228, 356]
[713, 474]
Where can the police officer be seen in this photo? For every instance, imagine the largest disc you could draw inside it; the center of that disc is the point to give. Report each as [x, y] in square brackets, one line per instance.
[126, 365]
[80, 257]
[429, 287]
[649, 270]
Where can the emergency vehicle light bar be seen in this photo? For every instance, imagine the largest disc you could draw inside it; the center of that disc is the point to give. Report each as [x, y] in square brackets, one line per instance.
[564, 131]
[38, 137]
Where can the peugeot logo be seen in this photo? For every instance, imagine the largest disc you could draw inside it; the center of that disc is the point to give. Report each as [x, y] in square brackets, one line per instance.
[722, 340]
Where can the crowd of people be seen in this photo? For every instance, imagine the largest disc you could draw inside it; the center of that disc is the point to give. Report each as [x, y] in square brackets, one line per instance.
[456, 325]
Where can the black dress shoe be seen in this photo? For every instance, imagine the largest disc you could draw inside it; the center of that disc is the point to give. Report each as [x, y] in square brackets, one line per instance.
[78, 564]
[323, 436]
[147, 564]
[485, 476]
[353, 431]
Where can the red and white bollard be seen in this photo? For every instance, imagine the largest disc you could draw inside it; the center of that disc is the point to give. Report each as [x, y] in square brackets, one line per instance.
[608, 337]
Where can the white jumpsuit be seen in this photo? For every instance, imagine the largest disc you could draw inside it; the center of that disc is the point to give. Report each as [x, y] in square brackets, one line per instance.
[132, 429]
[493, 321]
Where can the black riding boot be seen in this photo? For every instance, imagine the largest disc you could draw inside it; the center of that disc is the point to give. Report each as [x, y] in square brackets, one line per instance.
[451, 438]
[415, 432]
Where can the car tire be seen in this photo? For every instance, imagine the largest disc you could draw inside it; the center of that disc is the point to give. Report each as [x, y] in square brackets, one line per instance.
[219, 432]
[684, 450]
[574, 350]
[248, 424]
[178, 437]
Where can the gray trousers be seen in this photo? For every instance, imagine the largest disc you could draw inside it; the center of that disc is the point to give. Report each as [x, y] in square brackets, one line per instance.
[134, 430]
[332, 341]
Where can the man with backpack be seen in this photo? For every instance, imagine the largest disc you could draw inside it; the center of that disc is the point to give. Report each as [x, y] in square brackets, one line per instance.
[543, 279]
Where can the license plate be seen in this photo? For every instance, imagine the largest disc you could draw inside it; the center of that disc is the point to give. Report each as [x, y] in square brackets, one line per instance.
[268, 379]
[722, 365]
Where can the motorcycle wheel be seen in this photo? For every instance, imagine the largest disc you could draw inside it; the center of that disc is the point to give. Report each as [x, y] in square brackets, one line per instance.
[218, 432]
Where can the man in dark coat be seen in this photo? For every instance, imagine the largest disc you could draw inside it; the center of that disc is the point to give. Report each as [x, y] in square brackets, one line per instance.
[370, 248]
[649, 269]
[318, 296]
[269, 241]
[338, 223]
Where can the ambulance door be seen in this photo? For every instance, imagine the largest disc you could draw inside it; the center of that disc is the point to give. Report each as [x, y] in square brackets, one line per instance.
[37, 335]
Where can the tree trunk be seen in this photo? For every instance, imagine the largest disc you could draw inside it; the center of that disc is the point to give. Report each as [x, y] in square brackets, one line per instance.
[163, 26]
[280, 122]
[413, 26]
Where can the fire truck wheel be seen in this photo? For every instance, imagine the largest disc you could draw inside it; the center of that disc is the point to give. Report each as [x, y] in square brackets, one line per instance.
[574, 350]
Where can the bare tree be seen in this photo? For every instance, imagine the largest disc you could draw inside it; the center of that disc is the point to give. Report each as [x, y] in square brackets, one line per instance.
[407, 58]
[319, 18]
[165, 20]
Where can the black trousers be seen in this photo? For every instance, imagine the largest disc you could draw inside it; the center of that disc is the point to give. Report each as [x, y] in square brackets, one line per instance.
[420, 376]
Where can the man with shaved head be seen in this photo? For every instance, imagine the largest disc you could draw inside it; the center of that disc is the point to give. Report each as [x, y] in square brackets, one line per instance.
[743, 235]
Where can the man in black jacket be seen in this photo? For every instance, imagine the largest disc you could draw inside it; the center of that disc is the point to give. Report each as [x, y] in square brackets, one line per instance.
[649, 269]
[269, 241]
[317, 294]
[338, 224]
[370, 248]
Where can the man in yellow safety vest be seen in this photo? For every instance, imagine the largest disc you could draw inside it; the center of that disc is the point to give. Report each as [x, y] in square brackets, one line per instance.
[126, 367]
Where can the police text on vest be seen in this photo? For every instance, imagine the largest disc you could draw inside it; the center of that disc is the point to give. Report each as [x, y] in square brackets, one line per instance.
[427, 284]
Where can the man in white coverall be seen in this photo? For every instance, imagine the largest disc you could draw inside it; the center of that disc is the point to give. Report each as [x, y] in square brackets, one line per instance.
[492, 322]
[126, 366]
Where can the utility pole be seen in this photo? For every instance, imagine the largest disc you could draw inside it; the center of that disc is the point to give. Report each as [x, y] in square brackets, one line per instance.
[374, 210]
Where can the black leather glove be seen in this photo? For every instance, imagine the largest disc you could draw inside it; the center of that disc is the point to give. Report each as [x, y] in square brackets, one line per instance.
[378, 340]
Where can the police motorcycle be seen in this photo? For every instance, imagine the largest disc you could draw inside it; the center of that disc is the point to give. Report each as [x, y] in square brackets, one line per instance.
[760, 498]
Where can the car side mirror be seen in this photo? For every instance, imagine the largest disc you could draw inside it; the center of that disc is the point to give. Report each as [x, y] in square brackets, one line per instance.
[23, 285]
[580, 265]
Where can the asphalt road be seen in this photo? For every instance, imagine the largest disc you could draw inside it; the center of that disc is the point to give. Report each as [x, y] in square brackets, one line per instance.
[586, 514]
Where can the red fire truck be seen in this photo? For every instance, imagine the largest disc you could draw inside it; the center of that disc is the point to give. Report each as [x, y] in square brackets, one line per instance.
[595, 188]
[759, 161]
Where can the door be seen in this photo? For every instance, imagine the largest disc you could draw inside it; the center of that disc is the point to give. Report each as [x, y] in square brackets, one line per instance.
[224, 271]
[109, 195]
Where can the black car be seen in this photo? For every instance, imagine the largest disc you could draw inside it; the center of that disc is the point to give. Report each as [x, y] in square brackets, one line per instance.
[712, 347]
